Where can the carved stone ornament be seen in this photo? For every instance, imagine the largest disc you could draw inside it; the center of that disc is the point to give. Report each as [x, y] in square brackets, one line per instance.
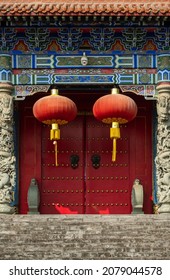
[7, 158]
[33, 197]
[137, 197]
[162, 159]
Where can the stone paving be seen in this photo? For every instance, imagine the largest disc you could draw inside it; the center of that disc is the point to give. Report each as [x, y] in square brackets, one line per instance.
[85, 237]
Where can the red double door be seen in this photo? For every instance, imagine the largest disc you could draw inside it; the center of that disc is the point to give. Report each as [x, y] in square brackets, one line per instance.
[86, 180]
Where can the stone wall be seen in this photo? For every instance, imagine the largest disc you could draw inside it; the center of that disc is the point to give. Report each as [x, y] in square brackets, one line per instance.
[85, 237]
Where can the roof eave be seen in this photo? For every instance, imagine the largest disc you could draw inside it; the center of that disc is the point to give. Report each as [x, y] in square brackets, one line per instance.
[85, 9]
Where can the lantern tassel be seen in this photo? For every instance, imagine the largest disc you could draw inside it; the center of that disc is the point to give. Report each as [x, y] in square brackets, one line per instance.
[55, 148]
[114, 150]
[114, 134]
[55, 135]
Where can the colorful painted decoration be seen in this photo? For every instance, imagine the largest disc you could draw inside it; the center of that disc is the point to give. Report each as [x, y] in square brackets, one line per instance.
[55, 110]
[113, 109]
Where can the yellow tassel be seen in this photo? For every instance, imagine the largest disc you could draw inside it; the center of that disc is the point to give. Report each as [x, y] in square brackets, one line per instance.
[55, 145]
[55, 132]
[114, 150]
[115, 130]
[55, 135]
[114, 134]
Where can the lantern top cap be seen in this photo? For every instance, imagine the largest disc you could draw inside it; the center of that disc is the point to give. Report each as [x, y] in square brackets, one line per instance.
[114, 91]
[54, 91]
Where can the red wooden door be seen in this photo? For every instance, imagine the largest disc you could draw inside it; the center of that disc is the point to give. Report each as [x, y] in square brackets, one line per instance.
[108, 188]
[86, 189]
[63, 187]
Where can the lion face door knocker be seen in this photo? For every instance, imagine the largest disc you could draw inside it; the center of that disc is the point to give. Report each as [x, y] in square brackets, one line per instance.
[74, 159]
[96, 161]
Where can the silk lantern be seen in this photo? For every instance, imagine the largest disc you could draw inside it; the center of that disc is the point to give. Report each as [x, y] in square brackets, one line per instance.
[115, 109]
[55, 110]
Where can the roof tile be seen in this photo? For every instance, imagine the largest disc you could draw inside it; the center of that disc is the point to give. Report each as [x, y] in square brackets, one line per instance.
[84, 7]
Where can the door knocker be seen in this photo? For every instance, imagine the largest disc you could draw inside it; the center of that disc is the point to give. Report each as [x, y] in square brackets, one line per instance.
[96, 161]
[74, 159]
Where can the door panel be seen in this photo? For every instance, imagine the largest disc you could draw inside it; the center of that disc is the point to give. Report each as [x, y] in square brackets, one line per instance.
[108, 190]
[62, 187]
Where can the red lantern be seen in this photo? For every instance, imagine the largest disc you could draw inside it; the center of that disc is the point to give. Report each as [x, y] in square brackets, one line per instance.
[115, 108]
[55, 110]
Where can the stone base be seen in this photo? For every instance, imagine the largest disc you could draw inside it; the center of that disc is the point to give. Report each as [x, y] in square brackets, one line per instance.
[33, 212]
[164, 208]
[7, 209]
[137, 210]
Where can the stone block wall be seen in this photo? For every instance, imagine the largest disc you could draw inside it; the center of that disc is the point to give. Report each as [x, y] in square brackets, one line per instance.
[85, 237]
